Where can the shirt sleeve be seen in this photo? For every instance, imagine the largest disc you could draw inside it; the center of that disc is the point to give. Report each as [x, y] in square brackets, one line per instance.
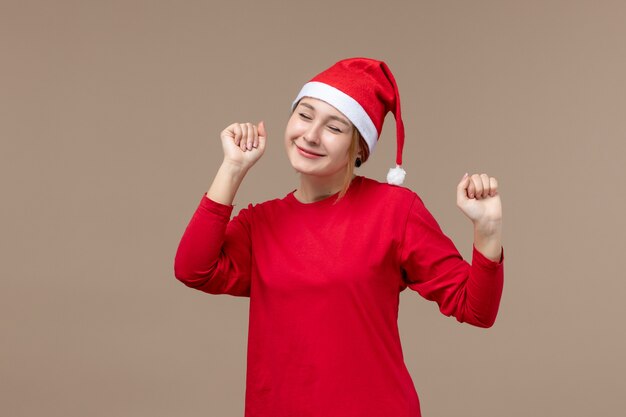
[434, 268]
[214, 252]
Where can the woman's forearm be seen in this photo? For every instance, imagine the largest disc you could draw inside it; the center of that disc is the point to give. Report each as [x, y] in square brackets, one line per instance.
[226, 183]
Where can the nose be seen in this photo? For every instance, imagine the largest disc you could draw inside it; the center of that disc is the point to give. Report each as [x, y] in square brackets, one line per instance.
[312, 135]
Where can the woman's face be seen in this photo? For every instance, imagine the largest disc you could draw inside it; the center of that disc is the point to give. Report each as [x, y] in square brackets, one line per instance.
[317, 138]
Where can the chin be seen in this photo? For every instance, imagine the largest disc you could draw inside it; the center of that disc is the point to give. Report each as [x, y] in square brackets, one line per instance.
[304, 170]
[318, 172]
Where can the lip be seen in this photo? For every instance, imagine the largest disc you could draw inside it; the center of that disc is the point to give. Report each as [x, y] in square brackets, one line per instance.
[308, 154]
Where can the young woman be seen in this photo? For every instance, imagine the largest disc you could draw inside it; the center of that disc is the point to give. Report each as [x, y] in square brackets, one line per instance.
[324, 266]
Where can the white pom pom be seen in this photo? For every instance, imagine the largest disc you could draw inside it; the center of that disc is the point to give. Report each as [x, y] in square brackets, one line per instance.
[396, 175]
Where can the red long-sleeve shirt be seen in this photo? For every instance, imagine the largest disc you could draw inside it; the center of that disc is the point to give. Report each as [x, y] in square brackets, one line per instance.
[324, 281]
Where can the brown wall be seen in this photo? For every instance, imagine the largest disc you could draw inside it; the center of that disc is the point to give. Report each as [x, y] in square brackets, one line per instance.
[109, 118]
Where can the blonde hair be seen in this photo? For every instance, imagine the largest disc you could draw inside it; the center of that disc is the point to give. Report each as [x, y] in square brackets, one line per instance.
[353, 150]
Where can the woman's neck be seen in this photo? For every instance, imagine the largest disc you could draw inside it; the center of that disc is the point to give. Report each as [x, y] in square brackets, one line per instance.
[313, 188]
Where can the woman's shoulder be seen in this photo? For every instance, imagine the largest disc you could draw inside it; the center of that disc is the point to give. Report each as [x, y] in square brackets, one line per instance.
[259, 205]
[267, 207]
[369, 187]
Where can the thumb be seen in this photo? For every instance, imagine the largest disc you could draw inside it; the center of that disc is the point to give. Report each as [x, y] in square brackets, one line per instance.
[261, 127]
[461, 189]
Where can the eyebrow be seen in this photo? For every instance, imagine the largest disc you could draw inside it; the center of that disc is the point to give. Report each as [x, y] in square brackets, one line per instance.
[332, 117]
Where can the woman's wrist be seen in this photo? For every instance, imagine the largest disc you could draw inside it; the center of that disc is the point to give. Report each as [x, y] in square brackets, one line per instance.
[233, 170]
[488, 240]
[488, 228]
[226, 183]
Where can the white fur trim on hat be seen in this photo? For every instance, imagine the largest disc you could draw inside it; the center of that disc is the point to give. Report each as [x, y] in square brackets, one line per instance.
[345, 104]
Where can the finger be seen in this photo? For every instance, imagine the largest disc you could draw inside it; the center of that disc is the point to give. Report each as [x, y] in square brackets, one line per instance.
[493, 185]
[486, 185]
[255, 143]
[478, 186]
[471, 189]
[244, 136]
[461, 189]
[250, 138]
[229, 131]
[237, 133]
[262, 135]
[262, 131]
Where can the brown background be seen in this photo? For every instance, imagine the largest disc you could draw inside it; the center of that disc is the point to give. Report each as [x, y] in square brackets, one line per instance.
[110, 113]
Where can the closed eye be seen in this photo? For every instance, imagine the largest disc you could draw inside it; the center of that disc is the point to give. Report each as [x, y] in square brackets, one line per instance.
[304, 116]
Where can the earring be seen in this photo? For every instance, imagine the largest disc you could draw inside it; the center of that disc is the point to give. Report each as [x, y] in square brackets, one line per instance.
[358, 162]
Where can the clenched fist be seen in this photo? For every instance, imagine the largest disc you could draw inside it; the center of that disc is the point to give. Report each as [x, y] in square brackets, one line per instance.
[243, 144]
[478, 199]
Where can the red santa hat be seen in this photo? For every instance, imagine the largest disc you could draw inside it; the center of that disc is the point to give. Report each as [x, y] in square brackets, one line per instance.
[364, 90]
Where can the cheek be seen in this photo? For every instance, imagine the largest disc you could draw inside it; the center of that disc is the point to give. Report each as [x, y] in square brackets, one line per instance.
[341, 146]
[293, 129]
[290, 134]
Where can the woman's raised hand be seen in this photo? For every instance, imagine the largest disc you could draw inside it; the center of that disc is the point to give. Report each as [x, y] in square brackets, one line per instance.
[478, 199]
[243, 144]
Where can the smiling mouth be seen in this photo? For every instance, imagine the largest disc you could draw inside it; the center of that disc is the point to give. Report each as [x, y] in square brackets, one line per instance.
[307, 152]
